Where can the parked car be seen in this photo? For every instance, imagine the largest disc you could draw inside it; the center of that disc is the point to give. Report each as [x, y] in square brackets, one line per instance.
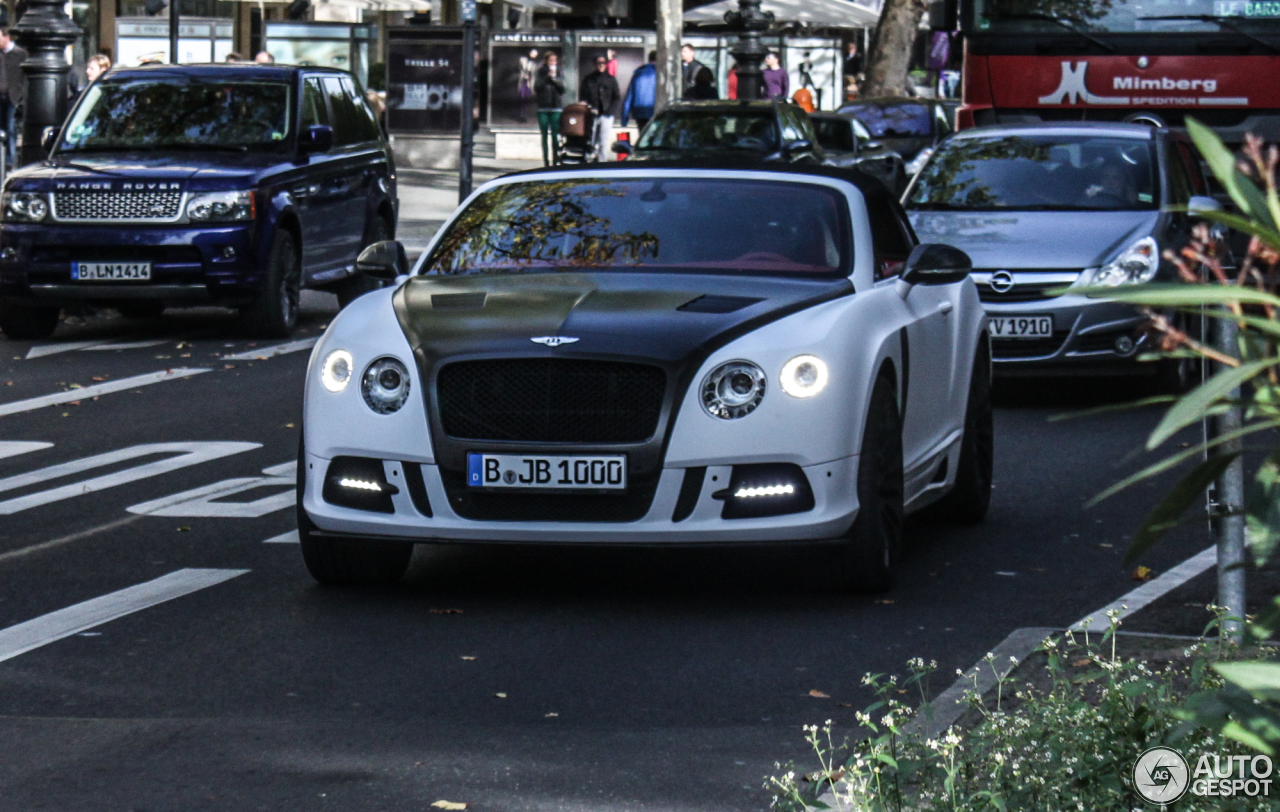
[728, 130]
[1049, 206]
[846, 142]
[233, 185]
[910, 127]
[653, 354]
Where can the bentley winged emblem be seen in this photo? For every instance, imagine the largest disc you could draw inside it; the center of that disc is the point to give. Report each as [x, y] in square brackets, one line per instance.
[553, 341]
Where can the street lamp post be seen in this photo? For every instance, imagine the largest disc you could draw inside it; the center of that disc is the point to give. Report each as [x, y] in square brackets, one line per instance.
[45, 31]
[749, 21]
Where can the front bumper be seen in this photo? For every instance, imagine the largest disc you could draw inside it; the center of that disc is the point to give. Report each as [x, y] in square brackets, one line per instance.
[833, 484]
[216, 264]
[1089, 337]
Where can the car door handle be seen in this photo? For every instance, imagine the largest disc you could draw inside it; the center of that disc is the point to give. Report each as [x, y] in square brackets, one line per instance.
[945, 308]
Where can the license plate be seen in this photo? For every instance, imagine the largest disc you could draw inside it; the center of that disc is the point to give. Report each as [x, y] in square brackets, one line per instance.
[111, 271]
[547, 472]
[1020, 326]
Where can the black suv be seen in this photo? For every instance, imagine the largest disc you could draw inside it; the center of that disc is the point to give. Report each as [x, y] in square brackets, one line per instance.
[235, 185]
[747, 130]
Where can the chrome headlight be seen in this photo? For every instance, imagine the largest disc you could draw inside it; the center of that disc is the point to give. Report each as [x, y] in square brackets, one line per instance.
[335, 372]
[219, 207]
[733, 390]
[1137, 263]
[804, 376]
[385, 385]
[28, 207]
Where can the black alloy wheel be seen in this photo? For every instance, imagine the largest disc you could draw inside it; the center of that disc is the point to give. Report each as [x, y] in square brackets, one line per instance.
[275, 312]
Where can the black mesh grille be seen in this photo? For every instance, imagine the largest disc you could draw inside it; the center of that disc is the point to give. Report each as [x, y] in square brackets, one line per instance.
[550, 400]
[1022, 293]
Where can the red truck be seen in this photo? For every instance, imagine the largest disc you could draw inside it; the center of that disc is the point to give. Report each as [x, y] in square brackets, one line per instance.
[1113, 60]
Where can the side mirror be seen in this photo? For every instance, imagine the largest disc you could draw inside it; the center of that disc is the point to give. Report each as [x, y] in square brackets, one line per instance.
[872, 146]
[1199, 204]
[48, 137]
[797, 146]
[316, 138]
[622, 149]
[383, 260]
[936, 264]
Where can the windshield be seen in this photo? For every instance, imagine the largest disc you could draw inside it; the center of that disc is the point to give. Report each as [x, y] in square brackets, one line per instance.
[179, 112]
[711, 130]
[1029, 173]
[649, 224]
[893, 120]
[1125, 16]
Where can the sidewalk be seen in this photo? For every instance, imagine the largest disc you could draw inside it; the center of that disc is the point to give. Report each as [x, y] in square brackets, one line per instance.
[429, 196]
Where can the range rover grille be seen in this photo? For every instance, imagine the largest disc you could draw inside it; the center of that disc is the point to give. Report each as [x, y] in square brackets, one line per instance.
[117, 205]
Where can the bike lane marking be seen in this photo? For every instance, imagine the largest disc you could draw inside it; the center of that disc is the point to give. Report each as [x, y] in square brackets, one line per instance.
[265, 353]
[84, 393]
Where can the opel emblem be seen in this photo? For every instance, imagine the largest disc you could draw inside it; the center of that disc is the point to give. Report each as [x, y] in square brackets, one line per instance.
[553, 341]
[1001, 282]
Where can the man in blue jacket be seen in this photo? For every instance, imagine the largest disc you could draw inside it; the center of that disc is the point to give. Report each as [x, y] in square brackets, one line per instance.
[641, 93]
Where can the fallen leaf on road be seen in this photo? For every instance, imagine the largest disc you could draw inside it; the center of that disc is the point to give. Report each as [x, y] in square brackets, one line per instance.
[75, 386]
[500, 695]
[99, 377]
[844, 704]
[183, 529]
[66, 414]
[229, 366]
[448, 805]
[885, 600]
[1106, 545]
[1142, 574]
[74, 403]
[552, 714]
[288, 425]
[465, 657]
[446, 611]
[815, 693]
[1082, 662]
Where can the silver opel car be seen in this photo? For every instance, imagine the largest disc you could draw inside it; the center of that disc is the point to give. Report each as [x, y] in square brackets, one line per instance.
[1044, 207]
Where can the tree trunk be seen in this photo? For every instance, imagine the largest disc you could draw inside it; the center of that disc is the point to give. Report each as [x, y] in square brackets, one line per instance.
[670, 75]
[890, 55]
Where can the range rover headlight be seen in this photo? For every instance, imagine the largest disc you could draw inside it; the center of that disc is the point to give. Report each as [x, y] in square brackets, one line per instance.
[385, 385]
[220, 207]
[804, 376]
[733, 390]
[30, 207]
[335, 372]
[1137, 263]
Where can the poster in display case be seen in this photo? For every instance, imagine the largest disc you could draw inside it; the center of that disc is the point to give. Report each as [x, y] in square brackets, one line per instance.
[624, 52]
[515, 58]
[424, 80]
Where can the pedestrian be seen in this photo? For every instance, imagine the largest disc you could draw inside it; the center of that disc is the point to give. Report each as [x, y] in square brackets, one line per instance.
[97, 65]
[641, 93]
[704, 88]
[613, 62]
[13, 91]
[548, 90]
[852, 59]
[600, 92]
[731, 82]
[690, 68]
[234, 57]
[803, 99]
[264, 58]
[776, 82]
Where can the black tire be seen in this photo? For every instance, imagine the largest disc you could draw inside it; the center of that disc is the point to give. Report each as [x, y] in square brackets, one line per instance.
[145, 310]
[21, 323]
[347, 562]
[275, 312]
[868, 557]
[353, 287]
[969, 498]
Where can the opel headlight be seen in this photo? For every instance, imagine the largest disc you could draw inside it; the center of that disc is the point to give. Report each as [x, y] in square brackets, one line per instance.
[25, 206]
[804, 376]
[385, 385]
[1137, 263]
[218, 207]
[733, 390]
[335, 372]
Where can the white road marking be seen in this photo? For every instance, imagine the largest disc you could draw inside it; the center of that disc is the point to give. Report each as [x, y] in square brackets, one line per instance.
[12, 448]
[201, 502]
[1150, 591]
[284, 538]
[42, 350]
[55, 626]
[127, 345]
[188, 454]
[98, 389]
[263, 353]
[23, 552]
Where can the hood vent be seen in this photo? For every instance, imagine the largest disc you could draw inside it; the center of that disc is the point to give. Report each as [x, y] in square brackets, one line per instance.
[458, 301]
[717, 304]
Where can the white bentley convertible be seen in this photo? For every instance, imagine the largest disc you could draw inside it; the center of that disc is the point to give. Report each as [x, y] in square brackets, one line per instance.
[651, 355]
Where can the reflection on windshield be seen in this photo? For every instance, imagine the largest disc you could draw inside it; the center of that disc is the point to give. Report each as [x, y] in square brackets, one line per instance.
[177, 113]
[1031, 173]
[1123, 16]
[702, 225]
[893, 120]
[707, 130]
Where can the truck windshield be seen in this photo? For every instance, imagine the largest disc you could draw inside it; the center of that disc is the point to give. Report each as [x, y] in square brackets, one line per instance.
[179, 113]
[1125, 16]
[680, 224]
[1038, 173]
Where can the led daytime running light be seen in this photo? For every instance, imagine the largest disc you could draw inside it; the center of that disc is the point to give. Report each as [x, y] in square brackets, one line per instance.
[335, 372]
[360, 484]
[765, 490]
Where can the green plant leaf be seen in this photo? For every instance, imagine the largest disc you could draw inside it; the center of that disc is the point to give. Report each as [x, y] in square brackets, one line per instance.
[1243, 225]
[1261, 680]
[1234, 730]
[1117, 407]
[1244, 192]
[1176, 501]
[1193, 405]
[1262, 510]
[1179, 295]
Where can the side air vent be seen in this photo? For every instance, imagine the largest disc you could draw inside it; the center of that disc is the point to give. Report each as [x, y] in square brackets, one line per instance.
[458, 301]
[717, 304]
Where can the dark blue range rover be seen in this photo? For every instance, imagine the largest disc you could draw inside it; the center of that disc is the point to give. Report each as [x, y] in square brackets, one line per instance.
[233, 185]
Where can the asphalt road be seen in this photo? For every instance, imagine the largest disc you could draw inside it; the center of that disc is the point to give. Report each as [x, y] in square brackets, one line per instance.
[531, 678]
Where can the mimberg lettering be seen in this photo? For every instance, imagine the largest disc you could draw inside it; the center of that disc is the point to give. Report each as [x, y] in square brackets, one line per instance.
[1163, 83]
